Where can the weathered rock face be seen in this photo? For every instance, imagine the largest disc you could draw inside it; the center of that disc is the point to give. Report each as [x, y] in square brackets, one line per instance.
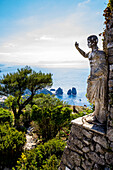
[108, 48]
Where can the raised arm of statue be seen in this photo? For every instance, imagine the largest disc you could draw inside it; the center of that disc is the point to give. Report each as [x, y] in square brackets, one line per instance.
[81, 51]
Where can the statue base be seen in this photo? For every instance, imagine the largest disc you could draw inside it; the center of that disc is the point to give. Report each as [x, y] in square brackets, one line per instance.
[88, 147]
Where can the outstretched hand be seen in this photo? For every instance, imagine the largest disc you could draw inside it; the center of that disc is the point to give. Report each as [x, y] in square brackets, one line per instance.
[76, 45]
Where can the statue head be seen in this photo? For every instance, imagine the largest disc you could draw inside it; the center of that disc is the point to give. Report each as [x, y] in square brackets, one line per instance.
[92, 41]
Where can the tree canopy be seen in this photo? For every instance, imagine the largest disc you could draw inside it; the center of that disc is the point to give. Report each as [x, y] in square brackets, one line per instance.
[50, 114]
[15, 84]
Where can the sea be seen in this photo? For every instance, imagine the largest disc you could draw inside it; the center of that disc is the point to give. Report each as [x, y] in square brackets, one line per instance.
[65, 78]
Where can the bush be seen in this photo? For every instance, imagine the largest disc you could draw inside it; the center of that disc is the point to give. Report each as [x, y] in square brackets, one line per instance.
[6, 116]
[11, 143]
[52, 164]
[43, 156]
[50, 114]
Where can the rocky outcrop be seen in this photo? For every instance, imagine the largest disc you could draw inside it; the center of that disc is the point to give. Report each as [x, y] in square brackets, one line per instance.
[69, 92]
[59, 91]
[72, 92]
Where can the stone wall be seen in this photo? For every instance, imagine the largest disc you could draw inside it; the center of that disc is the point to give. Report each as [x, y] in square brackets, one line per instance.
[90, 146]
[108, 47]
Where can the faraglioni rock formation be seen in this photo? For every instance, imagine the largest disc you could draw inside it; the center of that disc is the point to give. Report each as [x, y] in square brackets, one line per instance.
[59, 91]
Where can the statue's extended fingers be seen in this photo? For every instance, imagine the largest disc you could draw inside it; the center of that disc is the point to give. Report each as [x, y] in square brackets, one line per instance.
[76, 44]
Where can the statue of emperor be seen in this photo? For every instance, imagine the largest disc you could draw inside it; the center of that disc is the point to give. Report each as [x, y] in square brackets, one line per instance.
[97, 80]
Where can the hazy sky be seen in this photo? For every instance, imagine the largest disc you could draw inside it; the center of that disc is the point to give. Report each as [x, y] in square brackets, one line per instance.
[43, 32]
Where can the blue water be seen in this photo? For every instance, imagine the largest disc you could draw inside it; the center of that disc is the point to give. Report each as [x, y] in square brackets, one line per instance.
[66, 78]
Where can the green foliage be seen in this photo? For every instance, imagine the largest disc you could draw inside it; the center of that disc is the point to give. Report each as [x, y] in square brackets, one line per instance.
[52, 163]
[11, 101]
[15, 84]
[85, 111]
[6, 116]
[11, 143]
[50, 115]
[45, 156]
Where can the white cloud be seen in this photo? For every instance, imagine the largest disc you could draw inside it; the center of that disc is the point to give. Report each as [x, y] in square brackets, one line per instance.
[52, 41]
[83, 3]
[47, 38]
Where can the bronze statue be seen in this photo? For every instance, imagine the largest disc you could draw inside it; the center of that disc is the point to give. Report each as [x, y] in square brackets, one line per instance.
[97, 81]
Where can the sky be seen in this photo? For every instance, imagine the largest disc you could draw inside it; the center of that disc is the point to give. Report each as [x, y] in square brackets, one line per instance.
[43, 32]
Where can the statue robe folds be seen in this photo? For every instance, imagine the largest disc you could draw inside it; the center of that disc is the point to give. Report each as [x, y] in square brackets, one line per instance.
[97, 83]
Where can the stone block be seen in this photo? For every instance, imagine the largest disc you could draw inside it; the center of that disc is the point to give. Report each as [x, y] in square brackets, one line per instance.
[74, 148]
[94, 157]
[86, 149]
[111, 109]
[110, 75]
[66, 151]
[78, 143]
[99, 149]
[62, 167]
[77, 158]
[87, 133]
[110, 134]
[87, 142]
[72, 160]
[111, 123]
[101, 140]
[111, 66]
[86, 167]
[78, 168]
[92, 147]
[109, 158]
[111, 146]
[110, 48]
[111, 113]
[110, 83]
[77, 131]
[64, 159]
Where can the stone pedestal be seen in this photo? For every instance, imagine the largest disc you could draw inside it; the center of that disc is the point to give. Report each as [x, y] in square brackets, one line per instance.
[88, 147]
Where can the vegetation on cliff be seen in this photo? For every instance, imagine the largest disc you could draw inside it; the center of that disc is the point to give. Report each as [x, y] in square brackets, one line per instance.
[48, 116]
[15, 84]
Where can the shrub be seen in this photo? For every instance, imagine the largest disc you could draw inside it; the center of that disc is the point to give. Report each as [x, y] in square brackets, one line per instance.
[11, 143]
[6, 116]
[50, 114]
[43, 156]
